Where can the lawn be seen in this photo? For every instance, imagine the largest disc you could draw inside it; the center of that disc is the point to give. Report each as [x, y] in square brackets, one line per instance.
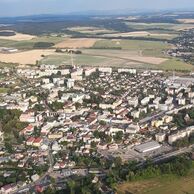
[163, 185]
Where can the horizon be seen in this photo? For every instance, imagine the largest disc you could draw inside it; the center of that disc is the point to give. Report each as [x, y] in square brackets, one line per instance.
[15, 8]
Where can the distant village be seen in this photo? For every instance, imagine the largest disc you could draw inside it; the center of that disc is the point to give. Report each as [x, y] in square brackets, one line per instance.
[52, 117]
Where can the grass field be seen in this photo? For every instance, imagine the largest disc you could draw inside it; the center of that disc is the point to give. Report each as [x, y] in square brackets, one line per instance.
[26, 57]
[114, 53]
[90, 30]
[163, 185]
[18, 37]
[78, 59]
[163, 26]
[4, 90]
[76, 43]
[88, 58]
[144, 34]
[176, 64]
[28, 44]
[135, 45]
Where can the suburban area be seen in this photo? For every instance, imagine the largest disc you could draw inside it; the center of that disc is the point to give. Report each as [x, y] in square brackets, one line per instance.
[100, 104]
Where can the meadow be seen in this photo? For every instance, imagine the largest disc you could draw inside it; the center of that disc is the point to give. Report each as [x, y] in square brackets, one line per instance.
[166, 184]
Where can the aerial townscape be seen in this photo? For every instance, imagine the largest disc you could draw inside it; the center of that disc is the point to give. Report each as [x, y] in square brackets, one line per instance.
[97, 102]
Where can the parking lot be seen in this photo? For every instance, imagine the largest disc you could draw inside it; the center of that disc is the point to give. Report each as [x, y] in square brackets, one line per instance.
[128, 153]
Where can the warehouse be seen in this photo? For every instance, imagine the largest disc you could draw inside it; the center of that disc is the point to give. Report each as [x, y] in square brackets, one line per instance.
[147, 147]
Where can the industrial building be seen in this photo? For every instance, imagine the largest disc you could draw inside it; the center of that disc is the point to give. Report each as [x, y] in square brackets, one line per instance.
[147, 147]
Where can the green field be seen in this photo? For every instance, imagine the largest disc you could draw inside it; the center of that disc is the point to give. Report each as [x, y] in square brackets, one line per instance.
[117, 58]
[28, 44]
[77, 59]
[164, 185]
[164, 26]
[176, 64]
[114, 53]
[149, 48]
[4, 90]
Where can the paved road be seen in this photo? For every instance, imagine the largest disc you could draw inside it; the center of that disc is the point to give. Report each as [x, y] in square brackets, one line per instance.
[169, 155]
[162, 113]
[45, 181]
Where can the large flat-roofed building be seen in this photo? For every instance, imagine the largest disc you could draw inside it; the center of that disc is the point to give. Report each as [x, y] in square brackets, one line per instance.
[147, 147]
[180, 81]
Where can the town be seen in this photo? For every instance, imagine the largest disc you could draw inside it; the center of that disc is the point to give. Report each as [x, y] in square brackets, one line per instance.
[58, 122]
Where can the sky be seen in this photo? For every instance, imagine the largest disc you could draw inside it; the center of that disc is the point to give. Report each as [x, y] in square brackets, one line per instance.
[34, 7]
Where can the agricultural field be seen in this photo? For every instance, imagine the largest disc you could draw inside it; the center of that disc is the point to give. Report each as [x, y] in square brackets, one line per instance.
[168, 27]
[145, 34]
[28, 44]
[131, 41]
[76, 43]
[115, 53]
[25, 57]
[17, 36]
[163, 185]
[176, 64]
[90, 30]
[186, 21]
[145, 48]
[127, 55]
[65, 59]
[131, 44]
[89, 59]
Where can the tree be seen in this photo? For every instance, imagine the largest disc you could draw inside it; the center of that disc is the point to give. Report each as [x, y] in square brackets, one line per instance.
[118, 136]
[71, 186]
[102, 123]
[9, 147]
[93, 144]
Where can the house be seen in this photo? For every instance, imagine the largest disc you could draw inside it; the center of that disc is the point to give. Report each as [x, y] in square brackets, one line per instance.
[132, 71]
[160, 137]
[113, 146]
[157, 123]
[8, 188]
[132, 128]
[58, 135]
[105, 70]
[27, 130]
[28, 117]
[145, 101]
[70, 83]
[30, 141]
[37, 142]
[135, 114]
[89, 71]
[133, 101]
[167, 119]
[180, 134]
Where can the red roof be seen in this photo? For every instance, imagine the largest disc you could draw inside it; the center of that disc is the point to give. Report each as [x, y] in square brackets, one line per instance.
[38, 140]
[39, 189]
[29, 127]
[31, 139]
